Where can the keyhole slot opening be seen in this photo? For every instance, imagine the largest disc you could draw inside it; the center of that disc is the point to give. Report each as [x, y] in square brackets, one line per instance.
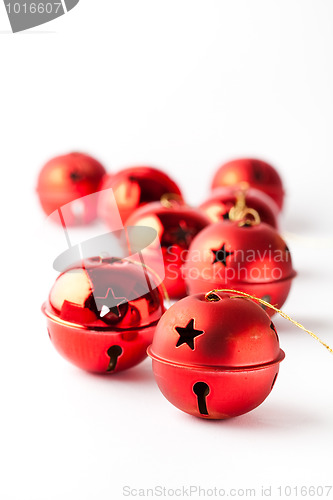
[113, 352]
[201, 390]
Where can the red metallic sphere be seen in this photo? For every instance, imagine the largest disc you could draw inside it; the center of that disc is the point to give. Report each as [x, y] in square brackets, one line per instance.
[67, 178]
[102, 316]
[132, 188]
[251, 258]
[215, 358]
[222, 199]
[256, 173]
[176, 224]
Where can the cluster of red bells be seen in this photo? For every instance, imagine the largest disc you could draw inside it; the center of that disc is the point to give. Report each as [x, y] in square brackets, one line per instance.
[215, 355]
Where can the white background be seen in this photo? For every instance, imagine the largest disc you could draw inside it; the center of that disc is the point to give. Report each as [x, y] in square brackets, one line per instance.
[183, 85]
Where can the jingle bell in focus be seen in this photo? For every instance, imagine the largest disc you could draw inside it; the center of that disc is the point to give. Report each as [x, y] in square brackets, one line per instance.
[67, 178]
[223, 199]
[101, 315]
[256, 173]
[215, 356]
[133, 188]
[245, 255]
[176, 224]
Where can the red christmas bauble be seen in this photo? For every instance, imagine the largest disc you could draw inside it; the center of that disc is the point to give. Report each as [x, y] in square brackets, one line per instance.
[176, 224]
[222, 199]
[132, 188]
[251, 258]
[102, 316]
[217, 358]
[67, 178]
[256, 173]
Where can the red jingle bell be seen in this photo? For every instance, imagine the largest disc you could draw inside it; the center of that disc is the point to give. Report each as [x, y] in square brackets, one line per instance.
[215, 356]
[245, 255]
[176, 224]
[101, 316]
[256, 173]
[223, 199]
[132, 188]
[67, 178]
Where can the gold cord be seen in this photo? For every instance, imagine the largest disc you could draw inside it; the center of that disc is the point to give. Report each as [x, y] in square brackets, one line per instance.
[240, 212]
[169, 200]
[213, 296]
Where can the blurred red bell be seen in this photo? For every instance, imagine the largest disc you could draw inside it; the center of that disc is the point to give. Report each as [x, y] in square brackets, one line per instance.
[223, 199]
[134, 187]
[215, 356]
[71, 177]
[256, 173]
[101, 316]
[176, 224]
[246, 255]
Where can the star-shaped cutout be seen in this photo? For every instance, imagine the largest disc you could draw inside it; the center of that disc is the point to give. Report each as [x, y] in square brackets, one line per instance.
[225, 216]
[221, 255]
[109, 303]
[187, 334]
[183, 233]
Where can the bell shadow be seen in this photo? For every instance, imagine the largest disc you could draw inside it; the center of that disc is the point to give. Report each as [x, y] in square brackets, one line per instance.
[314, 324]
[276, 418]
[303, 273]
[9, 32]
[35, 32]
[272, 417]
[295, 223]
[140, 374]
